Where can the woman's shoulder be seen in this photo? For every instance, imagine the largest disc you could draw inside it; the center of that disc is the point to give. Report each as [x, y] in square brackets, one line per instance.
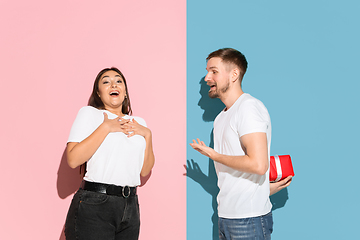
[90, 108]
[87, 111]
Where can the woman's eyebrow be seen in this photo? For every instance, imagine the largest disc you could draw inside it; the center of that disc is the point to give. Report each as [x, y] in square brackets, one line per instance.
[108, 76]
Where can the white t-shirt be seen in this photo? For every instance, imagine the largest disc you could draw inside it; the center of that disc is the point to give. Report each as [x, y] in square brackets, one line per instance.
[241, 195]
[119, 159]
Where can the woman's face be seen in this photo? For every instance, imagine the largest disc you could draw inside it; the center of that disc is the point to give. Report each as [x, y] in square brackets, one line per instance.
[112, 90]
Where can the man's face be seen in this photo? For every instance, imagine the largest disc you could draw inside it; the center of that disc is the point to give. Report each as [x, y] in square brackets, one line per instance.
[218, 77]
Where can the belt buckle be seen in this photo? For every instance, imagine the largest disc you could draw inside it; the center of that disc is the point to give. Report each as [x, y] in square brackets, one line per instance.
[123, 192]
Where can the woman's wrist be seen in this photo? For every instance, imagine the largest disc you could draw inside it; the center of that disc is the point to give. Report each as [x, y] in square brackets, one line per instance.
[105, 128]
[148, 135]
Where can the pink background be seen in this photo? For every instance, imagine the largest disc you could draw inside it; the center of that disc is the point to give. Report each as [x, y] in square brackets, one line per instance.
[50, 53]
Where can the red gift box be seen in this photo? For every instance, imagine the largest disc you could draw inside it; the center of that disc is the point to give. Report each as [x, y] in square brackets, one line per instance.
[280, 167]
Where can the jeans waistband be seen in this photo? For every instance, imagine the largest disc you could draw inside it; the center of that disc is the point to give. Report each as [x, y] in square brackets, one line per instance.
[108, 189]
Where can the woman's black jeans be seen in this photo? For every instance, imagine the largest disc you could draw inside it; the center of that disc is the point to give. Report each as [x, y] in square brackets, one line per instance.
[97, 216]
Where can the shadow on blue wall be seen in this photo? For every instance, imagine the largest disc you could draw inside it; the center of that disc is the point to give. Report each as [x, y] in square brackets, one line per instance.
[209, 183]
[212, 107]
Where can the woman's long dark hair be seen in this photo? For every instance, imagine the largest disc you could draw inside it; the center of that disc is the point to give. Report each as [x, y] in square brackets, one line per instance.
[95, 101]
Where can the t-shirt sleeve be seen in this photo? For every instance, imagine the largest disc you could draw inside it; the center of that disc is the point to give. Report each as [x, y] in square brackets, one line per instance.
[140, 121]
[254, 117]
[82, 126]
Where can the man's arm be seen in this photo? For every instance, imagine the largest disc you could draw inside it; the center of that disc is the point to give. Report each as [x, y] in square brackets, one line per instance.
[277, 186]
[254, 161]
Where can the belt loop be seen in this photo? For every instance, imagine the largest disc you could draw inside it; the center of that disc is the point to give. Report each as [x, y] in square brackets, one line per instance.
[123, 191]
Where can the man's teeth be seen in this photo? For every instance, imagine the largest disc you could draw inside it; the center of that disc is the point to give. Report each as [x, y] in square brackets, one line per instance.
[212, 87]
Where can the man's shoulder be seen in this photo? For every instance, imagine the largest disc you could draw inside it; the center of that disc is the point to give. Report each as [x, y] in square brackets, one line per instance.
[251, 102]
[248, 99]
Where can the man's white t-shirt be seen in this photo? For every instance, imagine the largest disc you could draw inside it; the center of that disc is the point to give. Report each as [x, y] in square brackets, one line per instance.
[241, 195]
[119, 159]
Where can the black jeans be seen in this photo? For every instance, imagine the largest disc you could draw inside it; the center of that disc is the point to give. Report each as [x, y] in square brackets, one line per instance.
[97, 216]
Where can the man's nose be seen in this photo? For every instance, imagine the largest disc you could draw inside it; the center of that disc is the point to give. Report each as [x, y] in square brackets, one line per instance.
[207, 77]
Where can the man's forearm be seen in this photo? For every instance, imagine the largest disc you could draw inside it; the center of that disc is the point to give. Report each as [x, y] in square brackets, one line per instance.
[242, 163]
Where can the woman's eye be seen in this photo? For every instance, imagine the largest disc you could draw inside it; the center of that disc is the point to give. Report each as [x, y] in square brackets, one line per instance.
[119, 81]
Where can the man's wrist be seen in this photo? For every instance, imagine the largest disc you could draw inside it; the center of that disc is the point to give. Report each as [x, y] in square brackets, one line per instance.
[215, 156]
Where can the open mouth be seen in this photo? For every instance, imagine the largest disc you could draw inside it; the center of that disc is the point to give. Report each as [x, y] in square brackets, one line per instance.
[212, 87]
[114, 93]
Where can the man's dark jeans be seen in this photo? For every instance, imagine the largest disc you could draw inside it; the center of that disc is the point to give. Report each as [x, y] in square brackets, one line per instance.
[95, 216]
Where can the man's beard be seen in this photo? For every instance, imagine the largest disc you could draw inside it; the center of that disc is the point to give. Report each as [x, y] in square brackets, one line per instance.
[215, 94]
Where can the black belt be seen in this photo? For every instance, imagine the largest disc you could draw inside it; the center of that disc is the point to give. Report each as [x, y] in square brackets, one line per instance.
[108, 189]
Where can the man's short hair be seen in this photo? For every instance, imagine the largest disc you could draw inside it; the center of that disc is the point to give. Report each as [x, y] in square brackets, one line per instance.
[232, 56]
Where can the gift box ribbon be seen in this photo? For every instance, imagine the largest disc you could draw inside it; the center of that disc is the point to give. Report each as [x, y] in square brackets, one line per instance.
[278, 168]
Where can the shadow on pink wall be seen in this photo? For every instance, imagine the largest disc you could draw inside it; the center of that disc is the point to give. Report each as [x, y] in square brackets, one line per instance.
[69, 180]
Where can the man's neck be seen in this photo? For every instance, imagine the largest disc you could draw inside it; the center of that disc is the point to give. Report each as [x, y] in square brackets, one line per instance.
[230, 97]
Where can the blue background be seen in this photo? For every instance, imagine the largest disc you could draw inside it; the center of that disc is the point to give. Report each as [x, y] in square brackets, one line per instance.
[304, 66]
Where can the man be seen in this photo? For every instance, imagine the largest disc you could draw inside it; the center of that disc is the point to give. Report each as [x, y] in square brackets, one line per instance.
[242, 136]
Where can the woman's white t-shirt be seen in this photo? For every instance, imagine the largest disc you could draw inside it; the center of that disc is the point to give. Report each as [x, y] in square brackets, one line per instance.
[119, 159]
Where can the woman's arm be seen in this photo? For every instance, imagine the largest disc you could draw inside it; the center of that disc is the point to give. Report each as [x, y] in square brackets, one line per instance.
[80, 152]
[149, 158]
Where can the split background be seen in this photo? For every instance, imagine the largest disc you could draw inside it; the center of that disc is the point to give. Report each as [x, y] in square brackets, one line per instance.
[303, 64]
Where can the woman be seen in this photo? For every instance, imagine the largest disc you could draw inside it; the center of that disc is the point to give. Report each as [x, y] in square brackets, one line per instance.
[117, 149]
